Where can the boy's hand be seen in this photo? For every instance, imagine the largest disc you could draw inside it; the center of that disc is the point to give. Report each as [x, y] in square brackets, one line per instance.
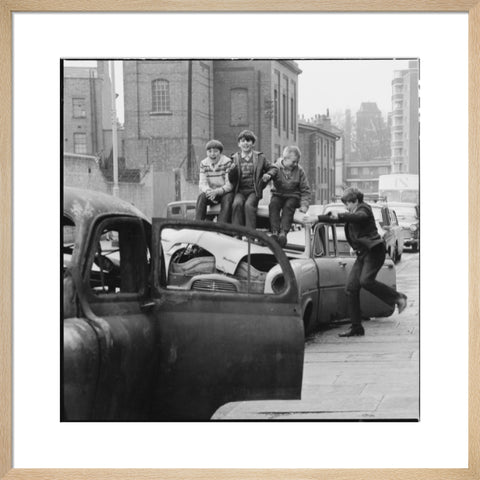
[310, 219]
[266, 177]
[211, 194]
[303, 209]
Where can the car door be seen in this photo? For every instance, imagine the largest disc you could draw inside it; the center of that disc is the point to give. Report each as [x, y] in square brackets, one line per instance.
[109, 346]
[220, 338]
[332, 273]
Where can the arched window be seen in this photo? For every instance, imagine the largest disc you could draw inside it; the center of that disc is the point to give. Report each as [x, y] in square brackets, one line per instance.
[160, 96]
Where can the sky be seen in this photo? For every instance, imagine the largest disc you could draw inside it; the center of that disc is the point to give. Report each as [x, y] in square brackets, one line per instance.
[336, 85]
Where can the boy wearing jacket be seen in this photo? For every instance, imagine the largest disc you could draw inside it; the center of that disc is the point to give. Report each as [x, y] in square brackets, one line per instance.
[290, 191]
[250, 173]
[362, 235]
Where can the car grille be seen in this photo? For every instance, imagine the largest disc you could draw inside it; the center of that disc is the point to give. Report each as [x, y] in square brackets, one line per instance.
[212, 285]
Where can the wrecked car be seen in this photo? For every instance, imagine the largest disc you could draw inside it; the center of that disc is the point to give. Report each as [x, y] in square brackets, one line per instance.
[155, 334]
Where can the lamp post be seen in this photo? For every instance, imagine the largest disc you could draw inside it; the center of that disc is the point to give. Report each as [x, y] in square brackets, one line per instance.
[114, 132]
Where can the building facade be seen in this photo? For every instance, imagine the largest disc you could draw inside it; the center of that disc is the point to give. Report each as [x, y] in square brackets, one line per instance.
[173, 107]
[367, 148]
[87, 127]
[364, 175]
[318, 145]
[405, 120]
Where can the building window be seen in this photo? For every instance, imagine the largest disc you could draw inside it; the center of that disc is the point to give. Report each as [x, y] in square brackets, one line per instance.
[354, 171]
[292, 115]
[160, 96]
[318, 175]
[331, 150]
[275, 108]
[325, 149]
[80, 143]
[284, 113]
[79, 110]
[238, 106]
[365, 170]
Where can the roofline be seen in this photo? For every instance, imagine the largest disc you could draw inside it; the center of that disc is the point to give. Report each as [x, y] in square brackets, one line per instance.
[291, 65]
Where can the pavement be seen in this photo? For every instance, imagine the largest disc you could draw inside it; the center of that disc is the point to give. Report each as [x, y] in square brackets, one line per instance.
[375, 377]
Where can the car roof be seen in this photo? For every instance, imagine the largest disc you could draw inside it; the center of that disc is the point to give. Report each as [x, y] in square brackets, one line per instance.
[88, 203]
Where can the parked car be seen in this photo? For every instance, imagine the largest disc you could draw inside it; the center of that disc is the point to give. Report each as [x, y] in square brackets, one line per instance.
[138, 347]
[182, 209]
[408, 215]
[387, 225]
[389, 229]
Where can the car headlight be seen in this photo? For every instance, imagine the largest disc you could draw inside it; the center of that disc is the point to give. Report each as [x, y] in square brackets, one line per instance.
[413, 228]
[278, 284]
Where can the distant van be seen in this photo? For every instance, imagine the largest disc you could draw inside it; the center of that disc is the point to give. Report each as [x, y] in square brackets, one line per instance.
[186, 209]
[182, 209]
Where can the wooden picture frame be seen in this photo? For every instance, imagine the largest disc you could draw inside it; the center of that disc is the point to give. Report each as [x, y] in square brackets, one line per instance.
[7, 9]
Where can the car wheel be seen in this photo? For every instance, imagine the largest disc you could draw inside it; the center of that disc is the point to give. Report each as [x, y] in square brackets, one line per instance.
[414, 248]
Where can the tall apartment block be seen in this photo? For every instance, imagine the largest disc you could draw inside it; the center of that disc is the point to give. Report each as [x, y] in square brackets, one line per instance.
[405, 120]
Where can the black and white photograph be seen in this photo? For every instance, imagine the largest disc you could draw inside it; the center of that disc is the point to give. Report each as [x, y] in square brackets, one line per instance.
[240, 239]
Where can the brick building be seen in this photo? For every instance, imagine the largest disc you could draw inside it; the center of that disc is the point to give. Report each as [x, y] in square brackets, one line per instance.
[87, 126]
[173, 107]
[317, 141]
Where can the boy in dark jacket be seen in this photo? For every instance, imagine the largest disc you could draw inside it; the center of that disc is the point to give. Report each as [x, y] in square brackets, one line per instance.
[249, 174]
[290, 191]
[362, 235]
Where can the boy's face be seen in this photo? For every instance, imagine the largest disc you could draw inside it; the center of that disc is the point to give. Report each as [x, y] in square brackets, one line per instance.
[291, 160]
[213, 153]
[351, 206]
[245, 145]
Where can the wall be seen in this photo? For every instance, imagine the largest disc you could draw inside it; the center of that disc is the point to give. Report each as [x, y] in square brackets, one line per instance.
[84, 172]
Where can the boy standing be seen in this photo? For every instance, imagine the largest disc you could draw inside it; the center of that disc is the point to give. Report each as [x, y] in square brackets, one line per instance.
[250, 173]
[362, 235]
[214, 184]
[290, 191]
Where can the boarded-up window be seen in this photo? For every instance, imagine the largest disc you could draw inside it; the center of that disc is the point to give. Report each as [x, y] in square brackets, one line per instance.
[79, 110]
[239, 106]
[80, 143]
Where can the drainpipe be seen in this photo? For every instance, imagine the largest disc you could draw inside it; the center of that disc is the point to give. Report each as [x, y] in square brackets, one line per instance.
[189, 121]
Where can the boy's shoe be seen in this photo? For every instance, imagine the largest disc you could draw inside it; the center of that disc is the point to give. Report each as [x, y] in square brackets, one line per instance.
[355, 331]
[402, 303]
[282, 239]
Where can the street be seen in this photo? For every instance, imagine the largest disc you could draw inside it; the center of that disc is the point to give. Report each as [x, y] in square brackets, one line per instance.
[375, 377]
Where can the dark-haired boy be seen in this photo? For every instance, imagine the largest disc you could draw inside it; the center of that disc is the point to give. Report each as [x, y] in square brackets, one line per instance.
[250, 173]
[362, 235]
[214, 184]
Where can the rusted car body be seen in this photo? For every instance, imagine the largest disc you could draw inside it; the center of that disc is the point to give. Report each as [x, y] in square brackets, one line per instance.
[136, 348]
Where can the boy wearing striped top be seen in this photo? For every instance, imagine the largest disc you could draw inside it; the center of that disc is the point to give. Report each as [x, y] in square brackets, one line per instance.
[214, 184]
